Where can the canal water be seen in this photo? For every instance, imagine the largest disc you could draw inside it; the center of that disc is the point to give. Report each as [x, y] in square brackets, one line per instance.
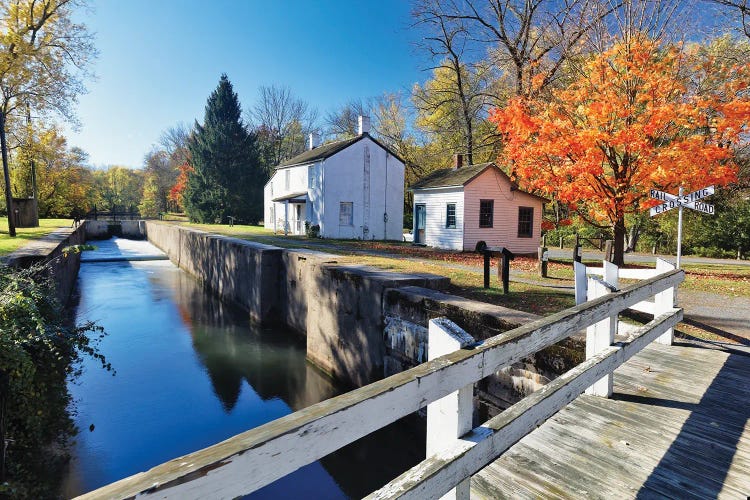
[192, 371]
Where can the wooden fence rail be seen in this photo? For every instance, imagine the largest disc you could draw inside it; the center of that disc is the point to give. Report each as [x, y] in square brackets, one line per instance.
[253, 459]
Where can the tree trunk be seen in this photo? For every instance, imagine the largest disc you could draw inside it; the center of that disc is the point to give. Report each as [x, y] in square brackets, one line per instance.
[635, 233]
[6, 174]
[619, 243]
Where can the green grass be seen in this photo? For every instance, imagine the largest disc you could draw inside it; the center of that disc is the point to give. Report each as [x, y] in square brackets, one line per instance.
[25, 235]
[238, 230]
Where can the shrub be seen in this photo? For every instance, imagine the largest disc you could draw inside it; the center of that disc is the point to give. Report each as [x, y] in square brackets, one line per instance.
[312, 231]
[39, 349]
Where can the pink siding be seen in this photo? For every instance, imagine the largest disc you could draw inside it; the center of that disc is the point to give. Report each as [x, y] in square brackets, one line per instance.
[492, 185]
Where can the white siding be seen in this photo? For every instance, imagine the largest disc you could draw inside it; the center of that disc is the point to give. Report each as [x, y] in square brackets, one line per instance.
[436, 201]
[344, 181]
[276, 187]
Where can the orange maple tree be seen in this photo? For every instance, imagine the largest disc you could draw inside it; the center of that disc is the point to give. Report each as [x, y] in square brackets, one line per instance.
[636, 117]
[178, 190]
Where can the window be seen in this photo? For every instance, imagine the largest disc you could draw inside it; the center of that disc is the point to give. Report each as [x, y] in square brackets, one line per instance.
[346, 213]
[286, 179]
[450, 215]
[271, 187]
[525, 222]
[486, 209]
[311, 176]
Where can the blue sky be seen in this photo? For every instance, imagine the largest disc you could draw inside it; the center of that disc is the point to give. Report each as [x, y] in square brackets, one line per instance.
[160, 59]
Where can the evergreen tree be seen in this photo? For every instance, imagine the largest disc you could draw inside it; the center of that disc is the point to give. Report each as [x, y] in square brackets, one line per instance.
[227, 179]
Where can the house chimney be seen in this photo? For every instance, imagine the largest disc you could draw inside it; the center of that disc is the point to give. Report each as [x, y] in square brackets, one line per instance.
[458, 161]
[314, 141]
[364, 124]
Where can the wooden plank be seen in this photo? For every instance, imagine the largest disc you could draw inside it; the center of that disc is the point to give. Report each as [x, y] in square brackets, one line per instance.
[692, 444]
[437, 475]
[255, 458]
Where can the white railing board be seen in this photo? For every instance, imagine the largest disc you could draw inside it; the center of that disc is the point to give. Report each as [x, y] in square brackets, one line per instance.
[436, 475]
[626, 274]
[644, 307]
[255, 458]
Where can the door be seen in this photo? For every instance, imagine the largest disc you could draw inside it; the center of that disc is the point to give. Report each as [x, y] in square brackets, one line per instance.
[420, 219]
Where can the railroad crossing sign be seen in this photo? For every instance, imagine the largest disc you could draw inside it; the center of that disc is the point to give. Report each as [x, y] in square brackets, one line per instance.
[670, 201]
[689, 200]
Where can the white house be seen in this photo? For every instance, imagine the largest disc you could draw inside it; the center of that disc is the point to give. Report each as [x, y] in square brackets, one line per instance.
[352, 189]
[457, 208]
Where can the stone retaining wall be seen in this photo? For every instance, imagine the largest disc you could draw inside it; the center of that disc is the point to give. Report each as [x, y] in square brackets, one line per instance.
[361, 323]
[339, 308]
[239, 271]
[103, 229]
[62, 267]
[408, 310]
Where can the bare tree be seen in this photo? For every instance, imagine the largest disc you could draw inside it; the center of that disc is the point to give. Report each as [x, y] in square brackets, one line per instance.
[342, 123]
[740, 7]
[174, 141]
[530, 39]
[281, 122]
[456, 99]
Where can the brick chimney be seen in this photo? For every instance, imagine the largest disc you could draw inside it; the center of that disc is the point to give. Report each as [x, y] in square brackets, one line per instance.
[313, 141]
[458, 161]
[364, 124]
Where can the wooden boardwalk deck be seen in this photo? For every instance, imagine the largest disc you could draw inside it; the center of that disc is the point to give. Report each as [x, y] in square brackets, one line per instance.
[678, 426]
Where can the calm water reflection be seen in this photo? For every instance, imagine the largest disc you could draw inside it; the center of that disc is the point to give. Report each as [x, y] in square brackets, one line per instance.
[192, 371]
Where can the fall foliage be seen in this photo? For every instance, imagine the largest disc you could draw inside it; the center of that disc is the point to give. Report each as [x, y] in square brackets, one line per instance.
[636, 117]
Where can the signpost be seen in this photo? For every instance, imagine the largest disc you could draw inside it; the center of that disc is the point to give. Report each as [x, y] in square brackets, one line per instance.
[670, 201]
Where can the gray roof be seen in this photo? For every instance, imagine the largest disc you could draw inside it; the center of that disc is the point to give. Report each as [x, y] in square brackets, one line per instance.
[451, 177]
[319, 153]
[457, 177]
[330, 149]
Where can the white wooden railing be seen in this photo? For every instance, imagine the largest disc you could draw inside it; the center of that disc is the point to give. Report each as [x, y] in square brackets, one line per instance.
[253, 459]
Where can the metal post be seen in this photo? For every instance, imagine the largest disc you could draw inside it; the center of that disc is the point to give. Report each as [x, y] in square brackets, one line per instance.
[679, 229]
[486, 269]
[542, 257]
[505, 272]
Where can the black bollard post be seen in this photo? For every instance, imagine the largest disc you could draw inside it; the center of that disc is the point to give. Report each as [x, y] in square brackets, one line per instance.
[486, 269]
[506, 272]
[542, 256]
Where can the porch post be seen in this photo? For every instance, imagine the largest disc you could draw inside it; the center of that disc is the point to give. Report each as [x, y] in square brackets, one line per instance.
[286, 217]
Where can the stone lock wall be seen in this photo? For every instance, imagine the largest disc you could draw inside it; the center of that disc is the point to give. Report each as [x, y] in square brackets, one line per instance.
[338, 308]
[63, 267]
[361, 323]
[239, 271]
[407, 313]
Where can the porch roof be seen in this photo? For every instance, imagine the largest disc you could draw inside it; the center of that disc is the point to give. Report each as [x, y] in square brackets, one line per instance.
[300, 197]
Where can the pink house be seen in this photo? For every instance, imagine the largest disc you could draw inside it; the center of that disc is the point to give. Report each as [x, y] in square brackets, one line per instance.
[459, 207]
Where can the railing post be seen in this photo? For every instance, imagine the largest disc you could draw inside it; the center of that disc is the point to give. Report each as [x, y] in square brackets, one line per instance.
[601, 335]
[664, 301]
[579, 270]
[450, 417]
